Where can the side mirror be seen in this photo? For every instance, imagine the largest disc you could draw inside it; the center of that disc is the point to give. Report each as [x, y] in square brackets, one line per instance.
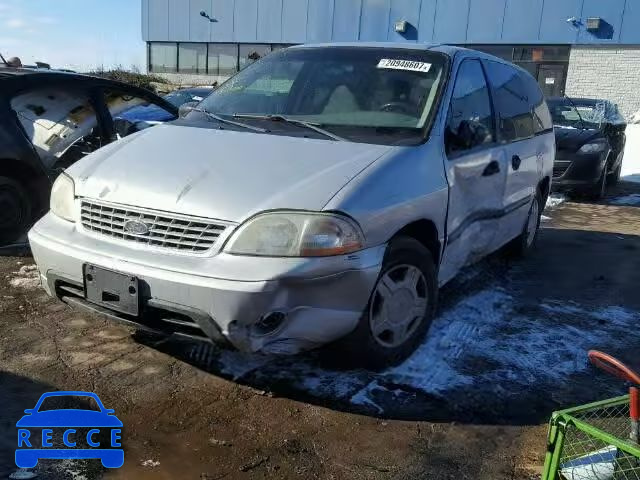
[29, 411]
[186, 108]
[109, 411]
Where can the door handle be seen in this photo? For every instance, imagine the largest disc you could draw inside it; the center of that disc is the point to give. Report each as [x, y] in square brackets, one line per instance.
[515, 162]
[492, 169]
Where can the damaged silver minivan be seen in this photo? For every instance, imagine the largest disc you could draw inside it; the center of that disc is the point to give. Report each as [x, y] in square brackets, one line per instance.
[321, 195]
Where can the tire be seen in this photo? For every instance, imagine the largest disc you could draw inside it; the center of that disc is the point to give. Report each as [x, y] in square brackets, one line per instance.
[406, 258]
[524, 243]
[15, 210]
[598, 191]
[614, 177]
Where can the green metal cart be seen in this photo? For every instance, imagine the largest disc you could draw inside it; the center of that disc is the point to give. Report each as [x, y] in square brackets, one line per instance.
[598, 441]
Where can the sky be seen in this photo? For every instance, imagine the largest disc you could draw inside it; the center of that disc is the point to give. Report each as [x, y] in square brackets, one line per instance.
[76, 34]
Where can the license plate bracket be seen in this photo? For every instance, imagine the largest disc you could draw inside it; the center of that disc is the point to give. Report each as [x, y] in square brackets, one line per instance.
[113, 290]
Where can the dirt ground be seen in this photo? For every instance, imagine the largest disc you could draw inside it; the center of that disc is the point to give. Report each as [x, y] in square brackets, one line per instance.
[509, 349]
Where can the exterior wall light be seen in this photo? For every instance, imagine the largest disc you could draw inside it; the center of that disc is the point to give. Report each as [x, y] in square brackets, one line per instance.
[401, 26]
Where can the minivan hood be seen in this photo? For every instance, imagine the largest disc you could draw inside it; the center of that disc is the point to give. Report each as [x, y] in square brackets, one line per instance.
[220, 174]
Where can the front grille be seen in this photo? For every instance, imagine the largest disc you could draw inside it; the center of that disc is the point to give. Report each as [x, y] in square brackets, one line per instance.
[560, 167]
[168, 231]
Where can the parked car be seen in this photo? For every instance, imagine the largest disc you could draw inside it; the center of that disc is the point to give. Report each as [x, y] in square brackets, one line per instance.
[322, 194]
[49, 120]
[144, 116]
[590, 140]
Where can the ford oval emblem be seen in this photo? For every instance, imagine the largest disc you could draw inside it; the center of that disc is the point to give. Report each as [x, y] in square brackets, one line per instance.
[136, 227]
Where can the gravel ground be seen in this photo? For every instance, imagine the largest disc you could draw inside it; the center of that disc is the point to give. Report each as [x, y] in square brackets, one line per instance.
[508, 347]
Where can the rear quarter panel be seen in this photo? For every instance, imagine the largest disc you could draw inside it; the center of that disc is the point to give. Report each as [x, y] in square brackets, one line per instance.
[406, 185]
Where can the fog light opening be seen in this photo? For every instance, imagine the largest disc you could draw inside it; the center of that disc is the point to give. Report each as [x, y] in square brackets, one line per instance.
[269, 323]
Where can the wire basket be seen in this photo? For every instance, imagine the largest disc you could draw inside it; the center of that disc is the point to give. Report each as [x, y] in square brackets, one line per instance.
[592, 442]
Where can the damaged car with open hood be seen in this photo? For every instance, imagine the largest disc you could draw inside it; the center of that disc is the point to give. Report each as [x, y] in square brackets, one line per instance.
[322, 195]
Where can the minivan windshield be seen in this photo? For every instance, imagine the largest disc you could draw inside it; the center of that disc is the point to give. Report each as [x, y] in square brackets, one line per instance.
[362, 94]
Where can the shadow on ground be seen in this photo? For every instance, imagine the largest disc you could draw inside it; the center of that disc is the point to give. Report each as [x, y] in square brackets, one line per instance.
[508, 347]
[18, 394]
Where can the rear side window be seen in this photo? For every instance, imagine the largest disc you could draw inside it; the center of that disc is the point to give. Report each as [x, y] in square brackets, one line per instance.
[541, 117]
[470, 119]
[511, 99]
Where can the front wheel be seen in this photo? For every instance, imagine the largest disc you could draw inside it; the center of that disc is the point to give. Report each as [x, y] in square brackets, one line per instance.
[598, 191]
[614, 177]
[15, 210]
[400, 310]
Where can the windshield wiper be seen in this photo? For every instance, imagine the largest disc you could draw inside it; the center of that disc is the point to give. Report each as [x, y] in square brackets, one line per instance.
[576, 109]
[316, 127]
[230, 122]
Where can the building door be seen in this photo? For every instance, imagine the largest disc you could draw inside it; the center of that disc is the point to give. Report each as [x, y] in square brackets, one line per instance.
[551, 77]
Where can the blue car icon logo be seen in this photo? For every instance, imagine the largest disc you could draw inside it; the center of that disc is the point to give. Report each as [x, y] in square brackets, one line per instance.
[78, 433]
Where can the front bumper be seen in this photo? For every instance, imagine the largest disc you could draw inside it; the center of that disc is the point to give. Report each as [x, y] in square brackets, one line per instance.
[575, 170]
[224, 295]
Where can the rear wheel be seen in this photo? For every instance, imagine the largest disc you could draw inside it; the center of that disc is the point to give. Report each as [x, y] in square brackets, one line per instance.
[15, 210]
[400, 310]
[525, 242]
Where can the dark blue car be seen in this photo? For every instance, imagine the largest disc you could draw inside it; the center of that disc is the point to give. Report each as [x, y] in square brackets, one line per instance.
[65, 421]
[152, 114]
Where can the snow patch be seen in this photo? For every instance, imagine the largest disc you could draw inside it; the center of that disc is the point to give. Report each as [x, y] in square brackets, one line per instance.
[629, 200]
[631, 161]
[150, 463]
[72, 469]
[555, 199]
[27, 277]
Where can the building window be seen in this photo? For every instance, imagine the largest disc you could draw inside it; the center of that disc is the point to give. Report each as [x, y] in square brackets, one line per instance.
[541, 54]
[279, 46]
[192, 58]
[250, 53]
[223, 59]
[163, 57]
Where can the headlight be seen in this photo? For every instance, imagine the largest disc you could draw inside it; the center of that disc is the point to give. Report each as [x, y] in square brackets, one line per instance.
[296, 234]
[595, 147]
[62, 197]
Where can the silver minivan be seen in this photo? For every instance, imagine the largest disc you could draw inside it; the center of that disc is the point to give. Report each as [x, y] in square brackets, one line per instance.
[322, 195]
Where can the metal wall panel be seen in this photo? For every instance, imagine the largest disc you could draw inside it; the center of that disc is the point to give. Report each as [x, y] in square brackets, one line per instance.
[427, 20]
[320, 20]
[223, 13]
[145, 19]
[346, 20]
[199, 27]
[485, 21]
[521, 22]
[374, 20]
[178, 21]
[611, 13]
[159, 20]
[451, 21]
[270, 20]
[294, 21]
[554, 27]
[245, 21]
[433, 21]
[408, 10]
[629, 30]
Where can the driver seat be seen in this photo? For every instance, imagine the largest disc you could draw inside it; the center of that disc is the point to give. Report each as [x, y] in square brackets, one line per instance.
[341, 101]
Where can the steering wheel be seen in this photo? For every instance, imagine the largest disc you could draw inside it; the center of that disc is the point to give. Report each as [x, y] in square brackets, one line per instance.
[401, 107]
